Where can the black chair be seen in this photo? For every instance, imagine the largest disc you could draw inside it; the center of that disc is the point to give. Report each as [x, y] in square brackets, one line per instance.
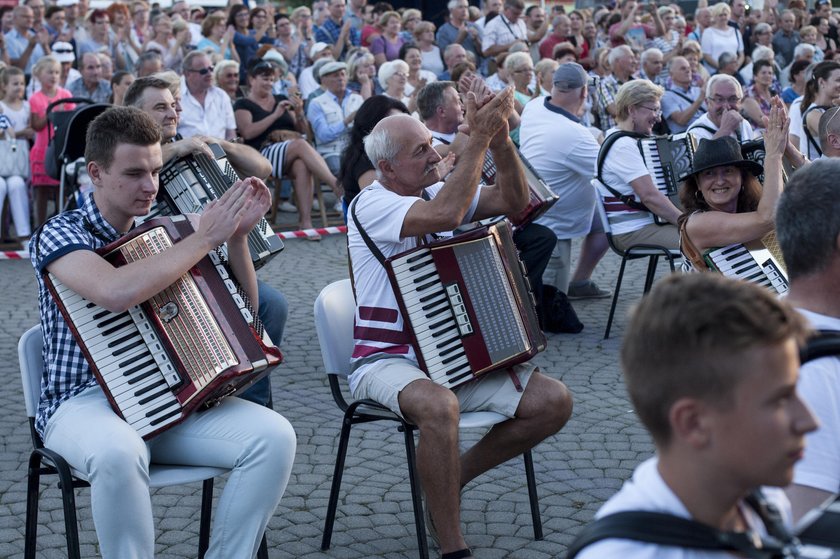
[43, 461]
[334, 314]
[635, 252]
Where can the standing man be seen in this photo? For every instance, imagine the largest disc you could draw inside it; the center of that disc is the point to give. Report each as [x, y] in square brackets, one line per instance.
[537, 25]
[207, 109]
[683, 103]
[338, 32]
[393, 215]
[786, 39]
[25, 45]
[808, 229]
[506, 29]
[91, 84]
[561, 29]
[564, 153]
[459, 29]
[623, 64]
[331, 114]
[74, 417]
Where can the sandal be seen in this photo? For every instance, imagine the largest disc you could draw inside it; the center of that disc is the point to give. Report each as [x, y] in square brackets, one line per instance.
[465, 553]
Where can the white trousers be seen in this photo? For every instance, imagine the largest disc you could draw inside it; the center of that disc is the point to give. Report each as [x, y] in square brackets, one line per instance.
[255, 442]
[15, 188]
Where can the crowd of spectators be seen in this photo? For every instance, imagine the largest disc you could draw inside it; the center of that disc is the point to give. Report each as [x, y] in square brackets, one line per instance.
[323, 61]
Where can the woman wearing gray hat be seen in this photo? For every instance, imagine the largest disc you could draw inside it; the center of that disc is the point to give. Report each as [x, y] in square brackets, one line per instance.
[723, 200]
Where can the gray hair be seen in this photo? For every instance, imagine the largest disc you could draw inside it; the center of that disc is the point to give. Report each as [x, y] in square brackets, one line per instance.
[431, 97]
[380, 146]
[826, 118]
[387, 70]
[762, 53]
[647, 54]
[725, 59]
[517, 59]
[618, 52]
[719, 78]
[802, 48]
[808, 218]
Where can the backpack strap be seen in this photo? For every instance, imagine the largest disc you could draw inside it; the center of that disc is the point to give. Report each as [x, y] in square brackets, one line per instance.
[811, 141]
[627, 199]
[674, 531]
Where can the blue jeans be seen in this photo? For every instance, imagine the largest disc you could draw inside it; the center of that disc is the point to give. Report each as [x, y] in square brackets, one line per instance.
[273, 312]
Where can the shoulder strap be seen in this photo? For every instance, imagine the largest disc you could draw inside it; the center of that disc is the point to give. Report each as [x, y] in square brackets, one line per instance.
[808, 135]
[687, 246]
[704, 127]
[824, 343]
[365, 237]
[687, 98]
[626, 199]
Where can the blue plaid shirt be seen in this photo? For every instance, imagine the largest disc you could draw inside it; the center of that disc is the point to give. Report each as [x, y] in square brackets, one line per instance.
[67, 372]
[330, 31]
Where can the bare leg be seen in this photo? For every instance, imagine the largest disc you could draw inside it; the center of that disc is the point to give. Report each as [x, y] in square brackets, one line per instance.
[434, 410]
[42, 196]
[302, 181]
[592, 249]
[544, 409]
[300, 149]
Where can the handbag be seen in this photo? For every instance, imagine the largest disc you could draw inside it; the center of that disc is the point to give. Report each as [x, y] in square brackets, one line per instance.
[14, 157]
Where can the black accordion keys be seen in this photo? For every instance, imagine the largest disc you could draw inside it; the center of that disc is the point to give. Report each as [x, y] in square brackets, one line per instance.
[184, 349]
[189, 182]
[468, 304]
[540, 198]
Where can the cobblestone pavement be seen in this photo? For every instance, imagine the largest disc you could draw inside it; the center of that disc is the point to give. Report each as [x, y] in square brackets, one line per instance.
[576, 470]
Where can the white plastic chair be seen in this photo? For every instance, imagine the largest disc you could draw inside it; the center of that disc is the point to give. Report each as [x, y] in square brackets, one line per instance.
[43, 461]
[335, 310]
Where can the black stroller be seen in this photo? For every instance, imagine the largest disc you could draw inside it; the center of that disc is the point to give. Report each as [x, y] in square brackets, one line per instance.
[64, 160]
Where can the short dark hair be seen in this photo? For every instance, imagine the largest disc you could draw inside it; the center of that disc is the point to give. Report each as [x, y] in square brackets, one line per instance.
[808, 218]
[134, 93]
[686, 337]
[118, 125]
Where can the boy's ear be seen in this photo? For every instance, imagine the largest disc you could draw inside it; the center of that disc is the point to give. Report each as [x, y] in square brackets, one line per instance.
[689, 422]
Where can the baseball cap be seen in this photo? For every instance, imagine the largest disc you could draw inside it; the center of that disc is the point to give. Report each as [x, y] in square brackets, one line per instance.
[63, 52]
[330, 67]
[316, 48]
[568, 76]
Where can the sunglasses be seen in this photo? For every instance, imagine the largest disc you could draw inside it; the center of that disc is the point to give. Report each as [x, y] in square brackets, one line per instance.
[203, 71]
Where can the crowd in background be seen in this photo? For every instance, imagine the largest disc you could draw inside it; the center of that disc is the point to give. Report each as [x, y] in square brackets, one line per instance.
[320, 63]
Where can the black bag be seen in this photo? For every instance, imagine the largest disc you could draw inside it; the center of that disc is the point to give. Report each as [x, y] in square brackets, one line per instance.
[556, 313]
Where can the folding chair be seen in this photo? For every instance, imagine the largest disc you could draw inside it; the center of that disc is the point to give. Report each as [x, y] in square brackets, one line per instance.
[334, 316]
[635, 252]
[43, 461]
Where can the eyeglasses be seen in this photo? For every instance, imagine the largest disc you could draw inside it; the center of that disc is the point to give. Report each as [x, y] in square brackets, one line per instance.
[203, 71]
[62, 51]
[717, 99]
[656, 112]
[524, 71]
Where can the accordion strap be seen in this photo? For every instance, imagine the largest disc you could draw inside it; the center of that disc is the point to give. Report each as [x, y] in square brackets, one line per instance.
[627, 199]
[688, 248]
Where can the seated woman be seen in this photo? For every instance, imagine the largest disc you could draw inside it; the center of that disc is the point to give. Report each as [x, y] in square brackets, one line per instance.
[756, 104]
[275, 124]
[723, 200]
[630, 197]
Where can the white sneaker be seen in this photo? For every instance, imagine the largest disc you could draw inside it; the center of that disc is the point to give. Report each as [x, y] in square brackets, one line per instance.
[338, 207]
[287, 207]
[316, 207]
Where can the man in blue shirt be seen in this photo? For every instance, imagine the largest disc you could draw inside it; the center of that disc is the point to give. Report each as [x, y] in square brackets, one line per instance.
[337, 31]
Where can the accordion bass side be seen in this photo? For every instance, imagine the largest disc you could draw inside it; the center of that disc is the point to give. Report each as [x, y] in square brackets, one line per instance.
[189, 182]
[184, 349]
[468, 304]
[540, 196]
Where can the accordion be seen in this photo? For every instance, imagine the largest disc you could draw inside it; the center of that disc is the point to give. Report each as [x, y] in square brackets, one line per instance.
[758, 262]
[184, 349]
[670, 159]
[189, 182]
[541, 197]
[468, 304]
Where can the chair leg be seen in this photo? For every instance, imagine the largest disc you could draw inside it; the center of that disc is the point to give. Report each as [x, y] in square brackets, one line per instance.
[262, 552]
[320, 195]
[414, 479]
[653, 262]
[533, 496]
[204, 524]
[343, 441]
[32, 494]
[615, 296]
[71, 526]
